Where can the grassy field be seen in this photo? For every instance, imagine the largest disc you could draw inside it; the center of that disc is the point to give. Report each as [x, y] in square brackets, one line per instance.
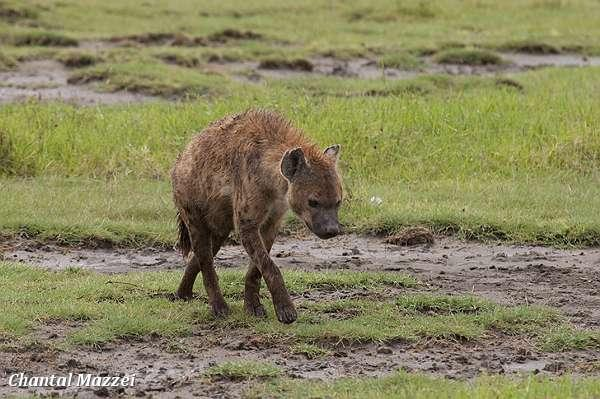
[467, 157]
[358, 26]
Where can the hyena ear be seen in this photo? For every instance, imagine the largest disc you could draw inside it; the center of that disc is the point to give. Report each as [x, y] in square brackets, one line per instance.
[292, 163]
[333, 152]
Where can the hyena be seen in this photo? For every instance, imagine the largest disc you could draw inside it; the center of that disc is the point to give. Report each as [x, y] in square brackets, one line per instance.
[244, 172]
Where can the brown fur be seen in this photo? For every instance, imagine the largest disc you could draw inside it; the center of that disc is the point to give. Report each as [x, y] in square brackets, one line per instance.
[244, 171]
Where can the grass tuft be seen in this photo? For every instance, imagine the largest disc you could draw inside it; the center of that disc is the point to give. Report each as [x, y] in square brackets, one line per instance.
[7, 62]
[12, 13]
[531, 47]
[467, 56]
[310, 351]
[443, 304]
[298, 64]
[78, 59]
[179, 59]
[401, 60]
[42, 39]
[566, 339]
[153, 78]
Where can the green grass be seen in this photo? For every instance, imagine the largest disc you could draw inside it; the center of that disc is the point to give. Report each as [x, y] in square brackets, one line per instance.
[78, 59]
[531, 47]
[243, 370]
[472, 157]
[41, 38]
[442, 304]
[136, 305]
[310, 351]
[357, 24]
[561, 339]
[6, 62]
[400, 59]
[418, 386]
[152, 77]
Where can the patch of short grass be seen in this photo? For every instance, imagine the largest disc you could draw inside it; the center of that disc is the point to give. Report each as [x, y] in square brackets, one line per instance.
[400, 59]
[77, 59]
[153, 78]
[243, 370]
[427, 303]
[138, 306]
[310, 351]
[7, 62]
[41, 38]
[531, 47]
[382, 321]
[298, 64]
[419, 386]
[564, 339]
[12, 11]
[468, 56]
[184, 60]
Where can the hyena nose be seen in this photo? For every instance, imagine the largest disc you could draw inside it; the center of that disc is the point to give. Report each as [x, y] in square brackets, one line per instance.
[331, 231]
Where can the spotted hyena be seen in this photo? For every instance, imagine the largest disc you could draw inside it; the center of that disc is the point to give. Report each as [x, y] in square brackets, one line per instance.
[244, 172]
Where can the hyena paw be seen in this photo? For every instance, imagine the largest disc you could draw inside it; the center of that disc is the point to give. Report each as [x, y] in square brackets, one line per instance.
[255, 309]
[286, 312]
[220, 309]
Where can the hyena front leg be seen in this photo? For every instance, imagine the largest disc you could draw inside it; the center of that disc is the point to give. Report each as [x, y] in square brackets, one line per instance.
[268, 232]
[252, 242]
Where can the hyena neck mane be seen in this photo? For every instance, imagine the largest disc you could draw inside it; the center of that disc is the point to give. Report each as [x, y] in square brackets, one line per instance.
[280, 136]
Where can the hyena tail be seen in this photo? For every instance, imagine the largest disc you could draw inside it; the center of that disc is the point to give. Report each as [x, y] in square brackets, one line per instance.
[183, 242]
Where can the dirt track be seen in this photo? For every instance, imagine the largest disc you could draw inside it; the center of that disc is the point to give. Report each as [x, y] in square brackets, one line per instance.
[565, 279]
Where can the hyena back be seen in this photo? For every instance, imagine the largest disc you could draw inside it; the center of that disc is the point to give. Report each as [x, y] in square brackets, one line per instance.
[244, 172]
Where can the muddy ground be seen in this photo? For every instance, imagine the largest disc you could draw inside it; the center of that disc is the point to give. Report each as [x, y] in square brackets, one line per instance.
[44, 80]
[564, 279]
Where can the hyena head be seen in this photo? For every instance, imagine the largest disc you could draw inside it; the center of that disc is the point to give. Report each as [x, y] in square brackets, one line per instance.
[315, 189]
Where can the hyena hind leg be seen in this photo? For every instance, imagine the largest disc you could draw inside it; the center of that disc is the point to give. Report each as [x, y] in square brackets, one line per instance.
[202, 261]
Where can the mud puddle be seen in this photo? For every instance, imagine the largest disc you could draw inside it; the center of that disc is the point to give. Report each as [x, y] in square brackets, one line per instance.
[47, 80]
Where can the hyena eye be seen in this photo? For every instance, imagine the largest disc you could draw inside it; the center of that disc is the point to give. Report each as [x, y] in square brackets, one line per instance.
[338, 204]
[313, 203]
